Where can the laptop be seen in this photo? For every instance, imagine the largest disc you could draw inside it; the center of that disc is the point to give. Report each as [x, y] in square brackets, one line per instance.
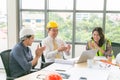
[88, 54]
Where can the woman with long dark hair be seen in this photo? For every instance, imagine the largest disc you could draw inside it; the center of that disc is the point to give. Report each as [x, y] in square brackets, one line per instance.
[98, 41]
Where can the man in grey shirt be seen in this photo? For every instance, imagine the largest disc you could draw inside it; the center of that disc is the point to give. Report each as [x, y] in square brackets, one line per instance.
[21, 59]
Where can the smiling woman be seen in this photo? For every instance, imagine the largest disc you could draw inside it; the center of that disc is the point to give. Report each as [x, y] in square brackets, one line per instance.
[99, 42]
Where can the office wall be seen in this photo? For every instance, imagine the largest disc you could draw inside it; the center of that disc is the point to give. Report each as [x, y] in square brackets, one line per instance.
[12, 22]
[12, 25]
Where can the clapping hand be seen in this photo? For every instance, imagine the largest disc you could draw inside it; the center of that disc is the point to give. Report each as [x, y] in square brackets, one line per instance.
[68, 48]
[39, 51]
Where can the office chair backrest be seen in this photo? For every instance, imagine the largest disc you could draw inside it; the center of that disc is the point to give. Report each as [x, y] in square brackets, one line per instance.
[42, 58]
[5, 59]
[115, 48]
[43, 63]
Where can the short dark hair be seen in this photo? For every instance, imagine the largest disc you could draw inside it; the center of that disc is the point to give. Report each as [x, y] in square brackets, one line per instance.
[27, 36]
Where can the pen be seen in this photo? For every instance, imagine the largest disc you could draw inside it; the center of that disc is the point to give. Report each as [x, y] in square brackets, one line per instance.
[60, 70]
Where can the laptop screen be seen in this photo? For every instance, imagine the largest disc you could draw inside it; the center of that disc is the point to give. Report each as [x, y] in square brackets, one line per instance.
[88, 54]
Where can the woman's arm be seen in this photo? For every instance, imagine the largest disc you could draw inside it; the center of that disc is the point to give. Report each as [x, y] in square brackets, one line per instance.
[108, 47]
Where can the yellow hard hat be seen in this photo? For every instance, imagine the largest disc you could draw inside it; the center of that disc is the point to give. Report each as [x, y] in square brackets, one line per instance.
[52, 24]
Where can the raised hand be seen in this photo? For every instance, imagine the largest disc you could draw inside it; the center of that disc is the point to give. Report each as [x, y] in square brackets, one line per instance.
[39, 51]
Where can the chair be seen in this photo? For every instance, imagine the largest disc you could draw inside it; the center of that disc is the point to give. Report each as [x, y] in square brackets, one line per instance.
[43, 63]
[115, 48]
[5, 59]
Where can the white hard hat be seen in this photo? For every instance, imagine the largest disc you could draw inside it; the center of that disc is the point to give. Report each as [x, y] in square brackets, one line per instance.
[118, 58]
[26, 31]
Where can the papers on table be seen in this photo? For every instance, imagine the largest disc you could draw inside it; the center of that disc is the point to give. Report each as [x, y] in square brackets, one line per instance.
[99, 71]
[90, 74]
[76, 73]
[72, 61]
[58, 67]
[61, 69]
[62, 61]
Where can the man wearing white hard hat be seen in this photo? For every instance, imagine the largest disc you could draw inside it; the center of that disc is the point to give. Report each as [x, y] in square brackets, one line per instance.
[21, 59]
[55, 47]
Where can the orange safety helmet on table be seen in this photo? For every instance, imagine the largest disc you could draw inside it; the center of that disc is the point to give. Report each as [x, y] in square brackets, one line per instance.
[53, 76]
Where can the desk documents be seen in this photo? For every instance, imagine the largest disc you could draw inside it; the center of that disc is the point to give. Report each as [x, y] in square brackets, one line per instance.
[90, 74]
[99, 71]
[67, 62]
[58, 67]
[76, 73]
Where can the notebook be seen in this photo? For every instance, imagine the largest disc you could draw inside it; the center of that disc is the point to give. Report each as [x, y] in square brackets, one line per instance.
[88, 54]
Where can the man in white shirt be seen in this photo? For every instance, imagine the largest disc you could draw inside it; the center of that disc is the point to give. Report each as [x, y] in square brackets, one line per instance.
[55, 47]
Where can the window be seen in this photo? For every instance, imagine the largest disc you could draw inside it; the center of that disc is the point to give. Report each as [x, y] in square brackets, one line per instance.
[3, 25]
[61, 4]
[85, 22]
[113, 27]
[89, 4]
[33, 4]
[76, 18]
[35, 20]
[113, 5]
[64, 20]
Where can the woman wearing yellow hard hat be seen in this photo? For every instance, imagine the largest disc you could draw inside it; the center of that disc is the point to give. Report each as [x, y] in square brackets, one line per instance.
[55, 47]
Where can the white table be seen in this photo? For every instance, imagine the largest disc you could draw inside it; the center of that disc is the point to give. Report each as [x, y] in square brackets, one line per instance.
[77, 71]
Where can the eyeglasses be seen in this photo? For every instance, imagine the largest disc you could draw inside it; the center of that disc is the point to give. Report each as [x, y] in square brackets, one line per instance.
[54, 30]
